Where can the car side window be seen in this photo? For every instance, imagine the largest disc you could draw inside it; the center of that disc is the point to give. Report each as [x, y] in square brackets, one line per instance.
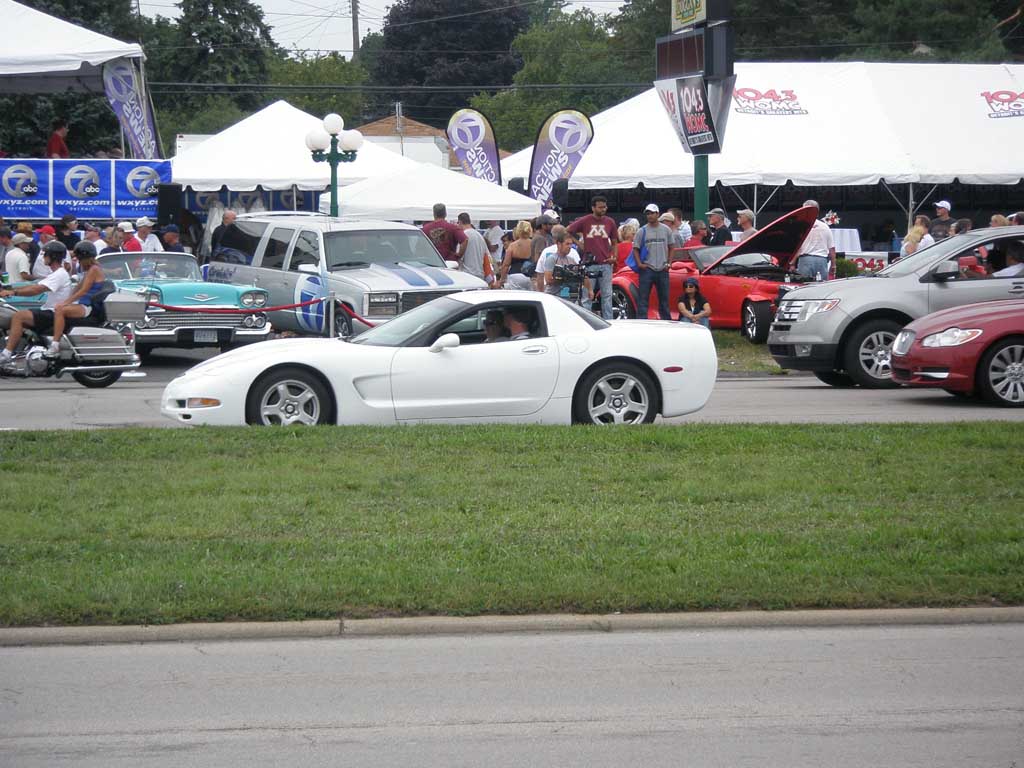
[306, 251]
[239, 243]
[276, 248]
[481, 326]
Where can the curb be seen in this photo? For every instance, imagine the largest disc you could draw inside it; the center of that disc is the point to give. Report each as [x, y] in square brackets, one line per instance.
[480, 625]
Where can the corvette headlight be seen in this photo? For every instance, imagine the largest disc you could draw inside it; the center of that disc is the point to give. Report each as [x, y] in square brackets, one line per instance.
[951, 337]
[382, 304]
[814, 307]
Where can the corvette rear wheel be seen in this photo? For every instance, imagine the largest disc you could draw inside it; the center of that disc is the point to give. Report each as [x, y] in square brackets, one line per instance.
[622, 307]
[615, 393]
[1001, 373]
[285, 397]
[757, 320]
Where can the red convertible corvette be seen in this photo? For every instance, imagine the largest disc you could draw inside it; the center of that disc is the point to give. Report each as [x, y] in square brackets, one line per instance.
[977, 349]
[741, 283]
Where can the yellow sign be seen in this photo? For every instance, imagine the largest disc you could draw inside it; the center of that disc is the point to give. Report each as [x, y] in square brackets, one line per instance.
[686, 13]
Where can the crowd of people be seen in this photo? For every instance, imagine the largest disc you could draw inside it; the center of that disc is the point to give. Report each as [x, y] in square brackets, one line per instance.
[22, 244]
[927, 231]
[529, 257]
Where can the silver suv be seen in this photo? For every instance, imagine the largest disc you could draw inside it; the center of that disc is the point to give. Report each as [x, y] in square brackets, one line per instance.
[378, 269]
[843, 330]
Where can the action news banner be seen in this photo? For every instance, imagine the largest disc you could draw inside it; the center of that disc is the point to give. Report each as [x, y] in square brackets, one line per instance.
[89, 189]
[125, 91]
[562, 141]
[472, 137]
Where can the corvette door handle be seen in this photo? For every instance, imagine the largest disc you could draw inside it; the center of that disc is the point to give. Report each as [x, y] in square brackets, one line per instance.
[535, 350]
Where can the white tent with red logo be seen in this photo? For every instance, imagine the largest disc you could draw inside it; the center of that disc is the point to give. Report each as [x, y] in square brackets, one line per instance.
[827, 124]
[44, 54]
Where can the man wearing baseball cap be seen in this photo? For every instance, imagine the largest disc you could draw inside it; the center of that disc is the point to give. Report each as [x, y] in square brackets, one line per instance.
[16, 261]
[95, 236]
[718, 233]
[942, 221]
[129, 242]
[150, 242]
[172, 239]
[651, 253]
[47, 234]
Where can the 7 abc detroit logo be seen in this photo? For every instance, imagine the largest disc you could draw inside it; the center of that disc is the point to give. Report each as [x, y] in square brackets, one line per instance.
[82, 182]
[569, 132]
[20, 181]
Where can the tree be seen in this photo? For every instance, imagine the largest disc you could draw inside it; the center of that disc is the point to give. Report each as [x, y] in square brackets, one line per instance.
[319, 70]
[446, 43]
[925, 30]
[223, 41]
[568, 49]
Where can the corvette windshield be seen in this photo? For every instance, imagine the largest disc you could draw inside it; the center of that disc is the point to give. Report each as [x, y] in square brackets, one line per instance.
[148, 266]
[364, 247]
[396, 332]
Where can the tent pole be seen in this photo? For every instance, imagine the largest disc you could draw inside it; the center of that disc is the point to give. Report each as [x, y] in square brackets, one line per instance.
[767, 200]
[910, 207]
[122, 141]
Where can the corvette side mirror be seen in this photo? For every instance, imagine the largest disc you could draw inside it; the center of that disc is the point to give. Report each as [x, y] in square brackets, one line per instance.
[448, 341]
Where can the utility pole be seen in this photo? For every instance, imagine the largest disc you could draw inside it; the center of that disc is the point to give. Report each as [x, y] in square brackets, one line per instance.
[355, 28]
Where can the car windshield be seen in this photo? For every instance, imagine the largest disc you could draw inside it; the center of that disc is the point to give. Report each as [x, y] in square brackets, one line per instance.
[705, 257]
[150, 266]
[943, 249]
[395, 333]
[360, 248]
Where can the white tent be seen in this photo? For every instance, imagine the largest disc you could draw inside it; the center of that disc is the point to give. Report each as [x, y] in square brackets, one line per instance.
[43, 54]
[822, 125]
[410, 195]
[268, 150]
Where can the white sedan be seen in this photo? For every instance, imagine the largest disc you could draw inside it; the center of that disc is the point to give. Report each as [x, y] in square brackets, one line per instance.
[454, 359]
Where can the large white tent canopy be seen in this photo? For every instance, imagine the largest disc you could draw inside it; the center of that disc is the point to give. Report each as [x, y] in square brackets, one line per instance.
[832, 124]
[44, 54]
[409, 195]
[268, 150]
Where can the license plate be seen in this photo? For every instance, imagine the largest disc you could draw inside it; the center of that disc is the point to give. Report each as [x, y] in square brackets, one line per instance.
[205, 336]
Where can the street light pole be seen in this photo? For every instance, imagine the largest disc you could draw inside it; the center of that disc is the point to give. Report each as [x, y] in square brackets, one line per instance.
[333, 145]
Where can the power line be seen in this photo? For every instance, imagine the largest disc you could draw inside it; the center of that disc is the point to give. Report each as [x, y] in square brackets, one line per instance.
[183, 87]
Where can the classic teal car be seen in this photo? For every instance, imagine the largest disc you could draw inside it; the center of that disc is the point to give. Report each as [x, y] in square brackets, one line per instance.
[174, 280]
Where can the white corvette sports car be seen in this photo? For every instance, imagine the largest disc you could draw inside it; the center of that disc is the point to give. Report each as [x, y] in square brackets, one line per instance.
[478, 356]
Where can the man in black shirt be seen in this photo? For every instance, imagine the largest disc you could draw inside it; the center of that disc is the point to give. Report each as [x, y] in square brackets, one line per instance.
[718, 233]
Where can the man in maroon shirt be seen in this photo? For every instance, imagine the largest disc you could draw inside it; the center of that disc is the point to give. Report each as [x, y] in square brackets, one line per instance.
[56, 148]
[598, 236]
[448, 238]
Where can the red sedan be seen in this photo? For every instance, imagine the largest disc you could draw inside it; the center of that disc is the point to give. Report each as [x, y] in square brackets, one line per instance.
[741, 283]
[977, 349]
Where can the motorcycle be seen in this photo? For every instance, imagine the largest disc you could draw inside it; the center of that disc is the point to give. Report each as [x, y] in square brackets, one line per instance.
[93, 354]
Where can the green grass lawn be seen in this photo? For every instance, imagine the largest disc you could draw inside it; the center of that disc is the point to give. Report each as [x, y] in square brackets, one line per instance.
[737, 355]
[128, 526]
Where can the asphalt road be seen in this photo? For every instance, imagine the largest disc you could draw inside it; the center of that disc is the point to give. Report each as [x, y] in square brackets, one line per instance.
[892, 696]
[49, 404]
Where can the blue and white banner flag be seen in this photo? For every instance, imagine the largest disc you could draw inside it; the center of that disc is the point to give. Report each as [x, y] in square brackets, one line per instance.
[122, 82]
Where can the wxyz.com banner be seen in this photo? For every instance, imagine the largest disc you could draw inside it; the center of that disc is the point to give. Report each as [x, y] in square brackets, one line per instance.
[89, 189]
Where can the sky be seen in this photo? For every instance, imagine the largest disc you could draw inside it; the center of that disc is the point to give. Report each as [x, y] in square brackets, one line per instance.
[327, 24]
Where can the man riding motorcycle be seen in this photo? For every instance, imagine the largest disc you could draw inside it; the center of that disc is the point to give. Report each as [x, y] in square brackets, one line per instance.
[57, 285]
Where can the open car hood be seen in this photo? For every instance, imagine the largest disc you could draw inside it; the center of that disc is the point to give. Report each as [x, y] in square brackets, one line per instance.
[781, 239]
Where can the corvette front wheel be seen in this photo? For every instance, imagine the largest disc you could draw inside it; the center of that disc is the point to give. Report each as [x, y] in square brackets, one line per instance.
[615, 393]
[288, 396]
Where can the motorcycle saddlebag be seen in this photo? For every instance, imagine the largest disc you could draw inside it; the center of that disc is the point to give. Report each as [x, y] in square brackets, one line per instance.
[125, 307]
[99, 344]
